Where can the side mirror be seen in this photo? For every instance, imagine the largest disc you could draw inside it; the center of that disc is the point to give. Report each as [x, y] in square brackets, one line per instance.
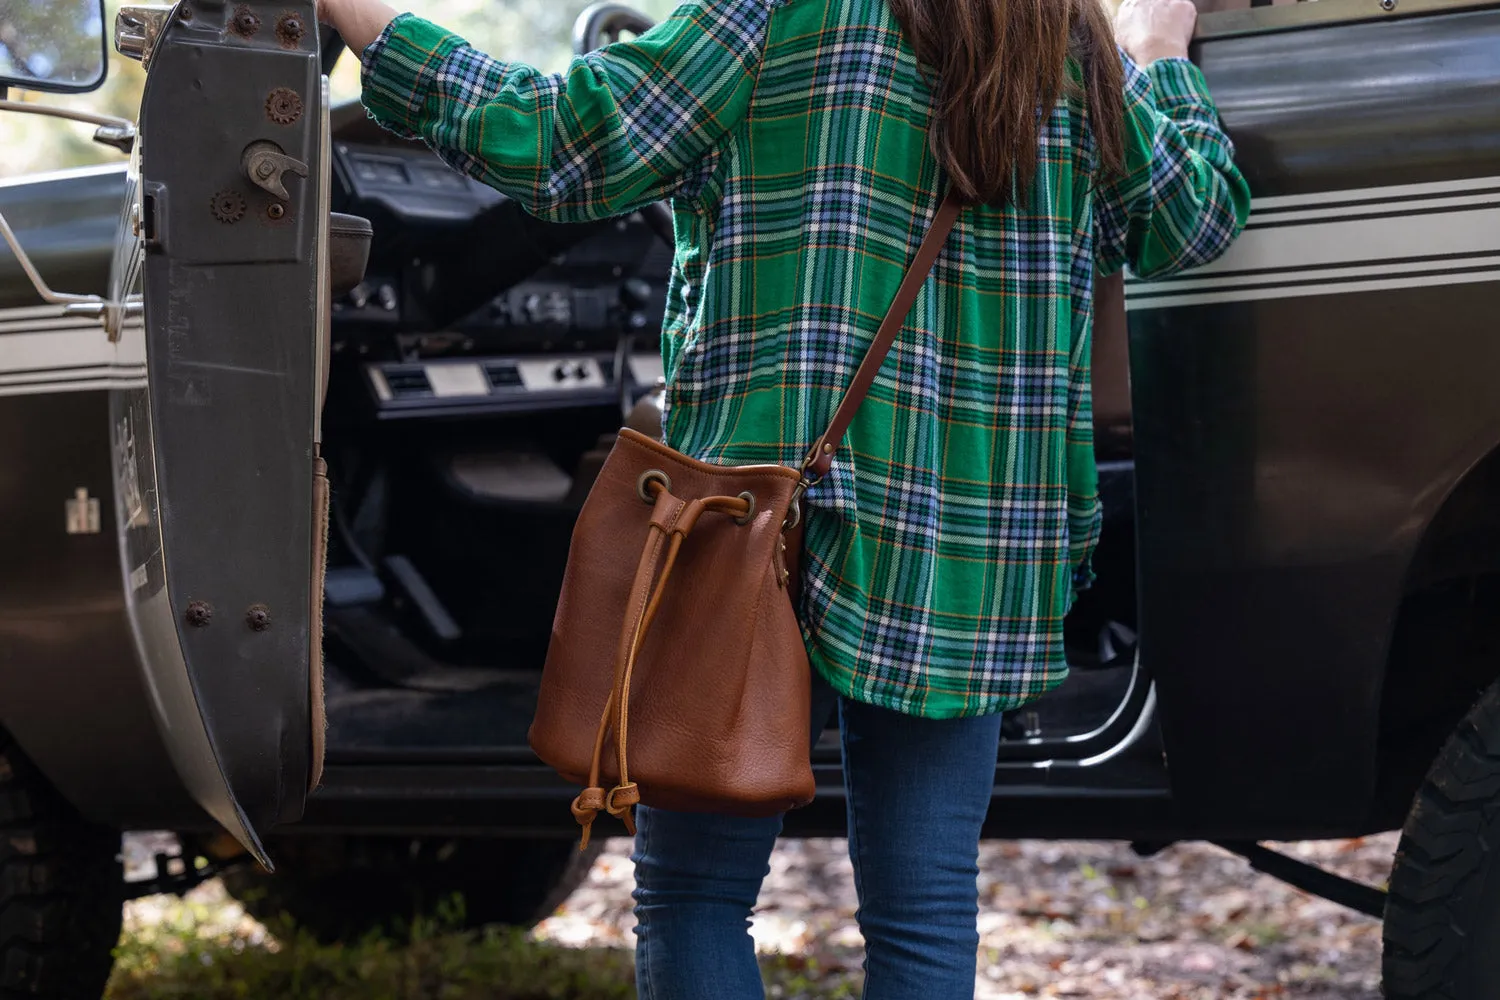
[56, 45]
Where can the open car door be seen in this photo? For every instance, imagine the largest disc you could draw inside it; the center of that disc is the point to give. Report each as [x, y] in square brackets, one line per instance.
[222, 505]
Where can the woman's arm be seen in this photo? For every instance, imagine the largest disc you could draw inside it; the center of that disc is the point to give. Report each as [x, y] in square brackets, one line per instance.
[1180, 200]
[358, 22]
[622, 127]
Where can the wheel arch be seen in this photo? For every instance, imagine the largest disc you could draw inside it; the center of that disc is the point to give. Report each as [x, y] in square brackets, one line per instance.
[1445, 646]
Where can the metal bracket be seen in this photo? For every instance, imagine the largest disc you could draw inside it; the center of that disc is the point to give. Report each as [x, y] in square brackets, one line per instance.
[85, 305]
[180, 883]
[117, 132]
[1357, 896]
[266, 165]
[137, 27]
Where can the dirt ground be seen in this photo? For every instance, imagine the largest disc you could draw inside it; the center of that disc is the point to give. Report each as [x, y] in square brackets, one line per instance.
[1086, 920]
[1083, 920]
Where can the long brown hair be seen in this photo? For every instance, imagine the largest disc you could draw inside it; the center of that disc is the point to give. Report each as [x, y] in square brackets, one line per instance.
[1001, 67]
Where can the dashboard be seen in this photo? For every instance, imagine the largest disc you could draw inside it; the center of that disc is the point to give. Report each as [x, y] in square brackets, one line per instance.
[470, 305]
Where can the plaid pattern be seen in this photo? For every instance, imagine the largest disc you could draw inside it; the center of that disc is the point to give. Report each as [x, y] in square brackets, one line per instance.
[948, 541]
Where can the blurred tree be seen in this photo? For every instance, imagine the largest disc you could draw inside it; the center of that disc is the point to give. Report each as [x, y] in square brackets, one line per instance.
[535, 31]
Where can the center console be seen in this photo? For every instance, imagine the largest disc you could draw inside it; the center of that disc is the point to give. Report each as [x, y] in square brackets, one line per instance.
[573, 324]
[500, 384]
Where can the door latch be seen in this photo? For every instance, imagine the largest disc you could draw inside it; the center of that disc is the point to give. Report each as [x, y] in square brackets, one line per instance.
[266, 165]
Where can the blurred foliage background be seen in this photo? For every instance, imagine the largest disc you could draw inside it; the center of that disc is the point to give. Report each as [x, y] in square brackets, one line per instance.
[532, 31]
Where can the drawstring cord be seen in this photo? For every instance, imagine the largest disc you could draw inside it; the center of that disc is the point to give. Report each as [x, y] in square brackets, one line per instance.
[671, 521]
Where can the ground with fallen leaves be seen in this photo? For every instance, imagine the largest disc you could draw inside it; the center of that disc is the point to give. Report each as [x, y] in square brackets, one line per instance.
[1075, 919]
[1087, 920]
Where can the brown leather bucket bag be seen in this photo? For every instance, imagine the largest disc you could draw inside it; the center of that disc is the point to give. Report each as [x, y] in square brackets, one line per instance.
[677, 673]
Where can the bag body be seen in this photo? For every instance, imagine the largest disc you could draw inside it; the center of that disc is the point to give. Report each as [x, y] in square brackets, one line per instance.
[675, 635]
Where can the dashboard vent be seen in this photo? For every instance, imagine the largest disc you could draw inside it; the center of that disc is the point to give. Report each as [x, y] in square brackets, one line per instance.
[407, 380]
[504, 376]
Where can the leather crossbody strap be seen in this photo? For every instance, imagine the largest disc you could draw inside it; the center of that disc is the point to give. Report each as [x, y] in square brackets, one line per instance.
[818, 461]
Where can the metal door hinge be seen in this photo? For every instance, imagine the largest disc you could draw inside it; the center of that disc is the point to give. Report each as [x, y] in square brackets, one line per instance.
[137, 27]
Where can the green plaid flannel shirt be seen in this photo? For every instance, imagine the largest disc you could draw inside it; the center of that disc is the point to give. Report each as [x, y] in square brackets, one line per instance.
[791, 138]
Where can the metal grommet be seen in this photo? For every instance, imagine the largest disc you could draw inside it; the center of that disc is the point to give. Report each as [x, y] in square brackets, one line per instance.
[642, 485]
[749, 498]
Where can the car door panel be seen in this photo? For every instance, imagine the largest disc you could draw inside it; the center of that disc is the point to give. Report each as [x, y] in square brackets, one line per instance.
[1302, 405]
[216, 458]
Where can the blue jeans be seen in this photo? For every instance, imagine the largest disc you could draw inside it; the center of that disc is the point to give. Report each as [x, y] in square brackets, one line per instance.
[918, 791]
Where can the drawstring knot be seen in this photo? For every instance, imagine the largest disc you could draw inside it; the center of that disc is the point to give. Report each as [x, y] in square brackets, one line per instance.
[585, 808]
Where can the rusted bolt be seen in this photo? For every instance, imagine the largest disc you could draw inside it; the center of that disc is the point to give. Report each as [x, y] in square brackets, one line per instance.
[198, 614]
[275, 212]
[265, 169]
[245, 22]
[258, 617]
[289, 29]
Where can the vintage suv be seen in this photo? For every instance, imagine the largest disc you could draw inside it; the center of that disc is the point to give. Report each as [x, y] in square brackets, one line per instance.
[212, 387]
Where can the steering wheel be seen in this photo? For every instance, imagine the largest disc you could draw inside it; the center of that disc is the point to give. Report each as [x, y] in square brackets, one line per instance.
[603, 22]
[597, 26]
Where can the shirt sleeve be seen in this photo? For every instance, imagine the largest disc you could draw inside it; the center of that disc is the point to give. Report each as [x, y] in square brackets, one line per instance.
[1180, 200]
[622, 127]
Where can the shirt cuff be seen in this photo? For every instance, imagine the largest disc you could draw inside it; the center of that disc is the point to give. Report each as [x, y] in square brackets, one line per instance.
[399, 70]
[1175, 82]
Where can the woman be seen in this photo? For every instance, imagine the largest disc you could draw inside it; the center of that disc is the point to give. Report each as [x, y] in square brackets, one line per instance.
[804, 146]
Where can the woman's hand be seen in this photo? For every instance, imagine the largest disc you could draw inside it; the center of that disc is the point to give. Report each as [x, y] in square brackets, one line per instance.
[327, 12]
[1147, 30]
[359, 22]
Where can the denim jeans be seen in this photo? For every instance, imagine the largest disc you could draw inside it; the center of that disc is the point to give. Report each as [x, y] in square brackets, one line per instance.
[918, 791]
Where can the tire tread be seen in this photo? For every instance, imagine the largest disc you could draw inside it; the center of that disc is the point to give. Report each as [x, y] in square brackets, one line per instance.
[60, 890]
[1443, 860]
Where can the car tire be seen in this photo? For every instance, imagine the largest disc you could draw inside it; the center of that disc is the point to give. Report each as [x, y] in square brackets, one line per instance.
[1442, 921]
[60, 890]
[342, 888]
